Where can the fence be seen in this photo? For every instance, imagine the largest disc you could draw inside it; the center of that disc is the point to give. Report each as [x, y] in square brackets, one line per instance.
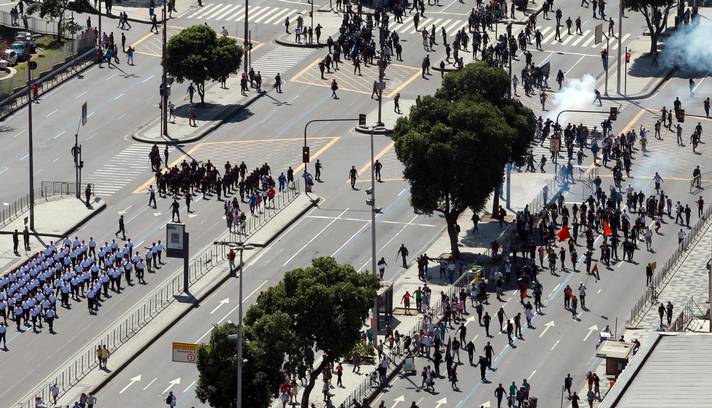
[395, 355]
[144, 311]
[17, 97]
[659, 278]
[36, 25]
[690, 311]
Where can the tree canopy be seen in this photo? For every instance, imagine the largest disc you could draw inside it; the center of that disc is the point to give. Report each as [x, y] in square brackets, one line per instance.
[198, 55]
[454, 146]
[55, 9]
[321, 307]
[655, 13]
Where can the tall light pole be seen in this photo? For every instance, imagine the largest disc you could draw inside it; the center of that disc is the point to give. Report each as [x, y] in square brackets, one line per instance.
[620, 40]
[373, 210]
[247, 34]
[164, 80]
[30, 66]
[239, 333]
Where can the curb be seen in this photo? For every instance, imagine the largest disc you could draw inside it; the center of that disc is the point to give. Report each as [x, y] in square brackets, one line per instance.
[647, 95]
[219, 122]
[295, 45]
[100, 208]
[195, 304]
[378, 130]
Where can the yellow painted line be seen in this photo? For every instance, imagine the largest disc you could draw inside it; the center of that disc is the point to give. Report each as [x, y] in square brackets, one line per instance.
[383, 180]
[633, 121]
[300, 73]
[380, 154]
[148, 54]
[142, 39]
[403, 85]
[328, 86]
[319, 152]
[144, 187]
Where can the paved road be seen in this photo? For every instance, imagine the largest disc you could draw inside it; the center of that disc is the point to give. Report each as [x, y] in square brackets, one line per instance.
[118, 166]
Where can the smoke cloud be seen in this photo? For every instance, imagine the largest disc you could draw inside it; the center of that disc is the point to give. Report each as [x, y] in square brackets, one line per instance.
[576, 94]
[689, 47]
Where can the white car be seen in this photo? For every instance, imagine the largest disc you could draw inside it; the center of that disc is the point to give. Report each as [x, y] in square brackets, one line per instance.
[9, 59]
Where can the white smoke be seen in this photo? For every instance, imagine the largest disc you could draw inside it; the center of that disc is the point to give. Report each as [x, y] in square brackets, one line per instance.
[576, 94]
[689, 47]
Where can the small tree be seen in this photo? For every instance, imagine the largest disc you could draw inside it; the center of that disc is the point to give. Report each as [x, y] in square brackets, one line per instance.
[198, 55]
[55, 9]
[655, 13]
[319, 308]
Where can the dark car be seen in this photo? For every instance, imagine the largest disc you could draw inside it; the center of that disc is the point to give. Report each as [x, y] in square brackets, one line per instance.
[26, 37]
[23, 50]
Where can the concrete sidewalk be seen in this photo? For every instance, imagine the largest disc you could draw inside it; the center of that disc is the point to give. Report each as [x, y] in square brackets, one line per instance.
[199, 291]
[55, 218]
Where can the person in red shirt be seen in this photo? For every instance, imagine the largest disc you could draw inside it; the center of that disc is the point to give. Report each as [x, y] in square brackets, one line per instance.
[405, 300]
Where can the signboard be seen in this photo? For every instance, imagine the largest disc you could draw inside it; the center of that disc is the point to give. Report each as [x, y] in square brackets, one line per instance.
[185, 353]
[598, 36]
[84, 114]
[175, 242]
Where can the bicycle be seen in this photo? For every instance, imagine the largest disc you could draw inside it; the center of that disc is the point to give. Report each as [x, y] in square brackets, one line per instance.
[653, 295]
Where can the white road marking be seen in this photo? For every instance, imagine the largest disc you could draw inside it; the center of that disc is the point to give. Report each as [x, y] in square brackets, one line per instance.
[314, 237]
[188, 387]
[148, 78]
[555, 344]
[80, 95]
[531, 375]
[18, 134]
[59, 134]
[149, 384]
[119, 96]
[52, 113]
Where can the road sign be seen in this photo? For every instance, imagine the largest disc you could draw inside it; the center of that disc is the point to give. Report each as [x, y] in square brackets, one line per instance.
[362, 119]
[185, 353]
[175, 242]
[598, 36]
[84, 114]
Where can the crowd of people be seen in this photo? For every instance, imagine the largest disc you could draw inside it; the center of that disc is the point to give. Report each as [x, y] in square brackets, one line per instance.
[70, 271]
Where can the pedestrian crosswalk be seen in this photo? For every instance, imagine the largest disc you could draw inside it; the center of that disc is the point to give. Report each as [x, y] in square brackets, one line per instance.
[121, 169]
[236, 12]
[279, 61]
[584, 40]
[408, 25]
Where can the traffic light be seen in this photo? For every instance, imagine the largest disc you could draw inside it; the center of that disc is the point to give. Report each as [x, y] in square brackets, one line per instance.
[369, 197]
[627, 57]
[680, 115]
[613, 114]
[305, 154]
[362, 119]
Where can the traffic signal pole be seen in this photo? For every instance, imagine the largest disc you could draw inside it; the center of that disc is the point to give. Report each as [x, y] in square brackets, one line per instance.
[164, 80]
[305, 148]
[30, 147]
[620, 40]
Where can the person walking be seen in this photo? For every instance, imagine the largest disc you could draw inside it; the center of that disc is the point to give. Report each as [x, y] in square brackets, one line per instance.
[334, 87]
[174, 209]
[151, 196]
[122, 228]
[403, 252]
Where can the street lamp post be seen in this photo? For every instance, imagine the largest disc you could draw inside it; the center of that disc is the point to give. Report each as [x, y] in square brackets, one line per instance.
[164, 79]
[620, 35]
[373, 210]
[239, 333]
[30, 64]
[247, 34]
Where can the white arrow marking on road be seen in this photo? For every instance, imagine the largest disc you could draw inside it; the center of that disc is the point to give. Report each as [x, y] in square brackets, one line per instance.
[398, 400]
[546, 328]
[131, 382]
[440, 402]
[171, 384]
[192, 215]
[150, 384]
[485, 405]
[156, 214]
[590, 330]
[470, 319]
[222, 302]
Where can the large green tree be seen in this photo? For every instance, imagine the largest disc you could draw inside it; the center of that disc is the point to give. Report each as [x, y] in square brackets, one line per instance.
[455, 145]
[198, 55]
[655, 13]
[318, 309]
[483, 82]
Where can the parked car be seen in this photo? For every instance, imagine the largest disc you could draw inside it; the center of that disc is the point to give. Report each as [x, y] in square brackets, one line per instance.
[27, 37]
[9, 58]
[23, 50]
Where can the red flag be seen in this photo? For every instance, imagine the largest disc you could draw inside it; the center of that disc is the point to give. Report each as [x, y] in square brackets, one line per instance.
[564, 234]
[607, 231]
